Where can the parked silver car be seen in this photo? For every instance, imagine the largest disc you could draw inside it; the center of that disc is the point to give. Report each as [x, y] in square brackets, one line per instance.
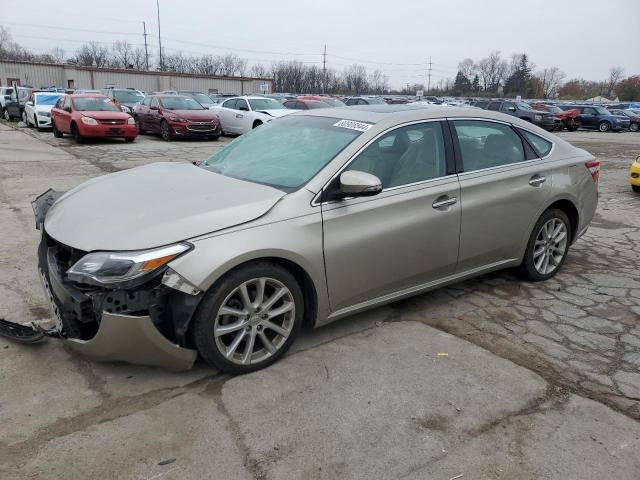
[307, 219]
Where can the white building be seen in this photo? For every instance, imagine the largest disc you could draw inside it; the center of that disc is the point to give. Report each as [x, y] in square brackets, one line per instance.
[42, 75]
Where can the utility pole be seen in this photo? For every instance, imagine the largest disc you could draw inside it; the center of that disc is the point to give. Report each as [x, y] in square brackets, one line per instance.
[159, 38]
[146, 51]
[429, 81]
[324, 70]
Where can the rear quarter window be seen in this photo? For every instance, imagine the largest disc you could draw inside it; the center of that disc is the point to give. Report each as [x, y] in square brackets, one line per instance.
[540, 145]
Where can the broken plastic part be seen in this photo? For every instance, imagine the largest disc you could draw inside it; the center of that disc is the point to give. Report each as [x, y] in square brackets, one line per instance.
[43, 203]
[173, 280]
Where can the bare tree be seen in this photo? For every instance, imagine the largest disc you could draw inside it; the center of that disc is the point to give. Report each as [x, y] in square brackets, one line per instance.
[355, 79]
[258, 70]
[492, 70]
[468, 68]
[92, 53]
[5, 38]
[379, 82]
[615, 75]
[550, 80]
[122, 54]
[58, 54]
[138, 59]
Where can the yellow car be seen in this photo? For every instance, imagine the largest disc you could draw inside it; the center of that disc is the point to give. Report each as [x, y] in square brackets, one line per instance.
[634, 175]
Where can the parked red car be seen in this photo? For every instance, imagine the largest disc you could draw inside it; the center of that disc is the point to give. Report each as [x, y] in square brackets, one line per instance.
[91, 116]
[175, 116]
[333, 102]
[634, 118]
[304, 103]
[568, 119]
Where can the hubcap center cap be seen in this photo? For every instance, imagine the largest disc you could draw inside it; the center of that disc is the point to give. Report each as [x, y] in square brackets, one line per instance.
[254, 320]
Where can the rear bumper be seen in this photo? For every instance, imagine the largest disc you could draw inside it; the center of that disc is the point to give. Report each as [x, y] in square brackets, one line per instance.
[101, 131]
[133, 339]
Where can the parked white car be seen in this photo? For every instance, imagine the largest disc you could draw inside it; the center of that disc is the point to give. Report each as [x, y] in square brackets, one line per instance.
[5, 92]
[240, 114]
[37, 110]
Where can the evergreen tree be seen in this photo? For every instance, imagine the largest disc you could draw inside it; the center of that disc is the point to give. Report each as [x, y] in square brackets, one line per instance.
[475, 86]
[462, 84]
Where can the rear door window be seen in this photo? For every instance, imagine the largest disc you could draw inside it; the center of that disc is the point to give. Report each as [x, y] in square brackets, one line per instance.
[487, 144]
[494, 106]
[230, 104]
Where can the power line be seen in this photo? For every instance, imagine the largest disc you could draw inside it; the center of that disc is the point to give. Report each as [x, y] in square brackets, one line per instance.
[70, 29]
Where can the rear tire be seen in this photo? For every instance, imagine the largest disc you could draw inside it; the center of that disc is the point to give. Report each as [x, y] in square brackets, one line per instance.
[634, 127]
[257, 344]
[25, 120]
[547, 247]
[604, 126]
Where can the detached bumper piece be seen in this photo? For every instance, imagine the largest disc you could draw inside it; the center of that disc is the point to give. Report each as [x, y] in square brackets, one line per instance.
[21, 333]
[135, 340]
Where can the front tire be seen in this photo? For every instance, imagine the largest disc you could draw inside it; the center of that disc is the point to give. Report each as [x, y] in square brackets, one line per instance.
[25, 120]
[56, 133]
[256, 124]
[547, 247]
[249, 318]
[635, 188]
[76, 134]
[6, 115]
[165, 131]
[604, 126]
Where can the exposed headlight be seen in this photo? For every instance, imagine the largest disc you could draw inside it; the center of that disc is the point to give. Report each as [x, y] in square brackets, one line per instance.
[173, 118]
[537, 117]
[43, 114]
[88, 121]
[125, 109]
[131, 121]
[108, 268]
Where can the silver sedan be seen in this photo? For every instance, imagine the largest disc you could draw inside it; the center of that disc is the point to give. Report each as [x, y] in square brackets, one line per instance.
[307, 219]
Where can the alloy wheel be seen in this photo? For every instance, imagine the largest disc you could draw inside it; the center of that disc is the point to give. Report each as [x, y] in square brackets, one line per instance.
[6, 115]
[550, 246]
[165, 132]
[604, 127]
[634, 127]
[254, 321]
[24, 118]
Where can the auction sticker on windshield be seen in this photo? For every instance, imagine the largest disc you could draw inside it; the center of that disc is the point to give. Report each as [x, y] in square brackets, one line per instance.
[353, 125]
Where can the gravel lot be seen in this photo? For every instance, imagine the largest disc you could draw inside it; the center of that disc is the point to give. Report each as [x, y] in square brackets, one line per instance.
[554, 392]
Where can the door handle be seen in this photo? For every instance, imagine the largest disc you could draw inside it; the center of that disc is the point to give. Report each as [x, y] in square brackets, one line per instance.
[239, 115]
[537, 180]
[444, 201]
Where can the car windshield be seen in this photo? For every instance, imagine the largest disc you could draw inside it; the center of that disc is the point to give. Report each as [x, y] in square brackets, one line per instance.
[128, 96]
[46, 99]
[333, 102]
[317, 104]
[201, 98]
[94, 104]
[602, 111]
[180, 103]
[285, 153]
[265, 104]
[524, 106]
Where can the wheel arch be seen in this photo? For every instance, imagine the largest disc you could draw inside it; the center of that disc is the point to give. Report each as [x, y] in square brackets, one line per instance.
[295, 268]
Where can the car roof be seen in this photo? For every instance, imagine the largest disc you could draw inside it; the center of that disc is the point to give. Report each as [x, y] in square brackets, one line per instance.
[88, 95]
[399, 113]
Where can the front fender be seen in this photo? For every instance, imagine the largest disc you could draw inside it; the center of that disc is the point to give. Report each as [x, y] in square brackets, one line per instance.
[297, 240]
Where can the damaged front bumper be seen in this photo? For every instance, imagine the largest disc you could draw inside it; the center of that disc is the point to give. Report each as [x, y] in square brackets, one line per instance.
[143, 324]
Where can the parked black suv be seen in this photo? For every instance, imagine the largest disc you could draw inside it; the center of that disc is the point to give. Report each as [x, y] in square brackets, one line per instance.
[522, 110]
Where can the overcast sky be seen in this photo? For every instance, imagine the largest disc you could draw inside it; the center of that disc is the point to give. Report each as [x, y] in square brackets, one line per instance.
[396, 36]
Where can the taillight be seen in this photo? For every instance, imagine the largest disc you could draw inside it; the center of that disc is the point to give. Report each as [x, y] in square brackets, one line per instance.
[594, 168]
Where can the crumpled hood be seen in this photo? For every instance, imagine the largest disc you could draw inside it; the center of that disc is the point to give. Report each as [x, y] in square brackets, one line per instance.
[154, 205]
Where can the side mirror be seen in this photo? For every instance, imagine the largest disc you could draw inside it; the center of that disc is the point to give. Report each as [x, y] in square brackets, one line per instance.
[512, 109]
[354, 183]
[30, 103]
[243, 109]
